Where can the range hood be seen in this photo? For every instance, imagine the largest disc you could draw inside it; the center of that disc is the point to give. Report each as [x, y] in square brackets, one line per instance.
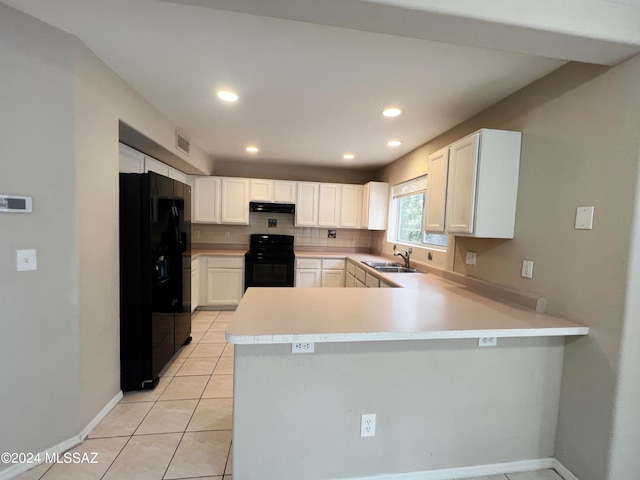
[269, 207]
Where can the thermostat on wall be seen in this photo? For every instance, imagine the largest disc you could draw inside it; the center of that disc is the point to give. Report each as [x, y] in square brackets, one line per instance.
[15, 204]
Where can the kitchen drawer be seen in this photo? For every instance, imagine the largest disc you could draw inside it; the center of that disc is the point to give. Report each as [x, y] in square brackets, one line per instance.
[333, 264]
[372, 281]
[360, 274]
[194, 264]
[351, 268]
[308, 263]
[225, 262]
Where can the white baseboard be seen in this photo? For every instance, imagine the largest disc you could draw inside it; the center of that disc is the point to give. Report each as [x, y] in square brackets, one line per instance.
[100, 416]
[563, 471]
[62, 447]
[479, 470]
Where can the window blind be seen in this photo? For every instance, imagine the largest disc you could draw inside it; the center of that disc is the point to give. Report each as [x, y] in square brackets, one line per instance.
[410, 187]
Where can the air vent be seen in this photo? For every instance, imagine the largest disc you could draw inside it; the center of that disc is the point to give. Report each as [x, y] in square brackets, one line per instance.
[182, 143]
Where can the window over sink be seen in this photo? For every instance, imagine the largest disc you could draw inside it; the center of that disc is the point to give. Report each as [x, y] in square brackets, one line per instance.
[408, 214]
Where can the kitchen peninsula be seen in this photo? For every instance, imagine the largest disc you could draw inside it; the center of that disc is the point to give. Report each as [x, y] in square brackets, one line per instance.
[408, 355]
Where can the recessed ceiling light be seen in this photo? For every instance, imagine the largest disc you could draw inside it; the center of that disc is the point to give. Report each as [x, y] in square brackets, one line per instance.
[348, 156]
[252, 149]
[391, 112]
[394, 143]
[227, 96]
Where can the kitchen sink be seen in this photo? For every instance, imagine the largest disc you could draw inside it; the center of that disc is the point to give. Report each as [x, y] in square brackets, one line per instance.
[395, 269]
[389, 267]
[377, 265]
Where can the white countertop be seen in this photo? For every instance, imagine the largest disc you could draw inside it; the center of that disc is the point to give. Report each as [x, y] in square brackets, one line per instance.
[431, 308]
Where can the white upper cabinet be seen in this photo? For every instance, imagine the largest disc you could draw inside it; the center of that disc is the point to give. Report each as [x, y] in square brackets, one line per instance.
[261, 190]
[437, 191]
[235, 201]
[375, 200]
[206, 200]
[307, 204]
[178, 175]
[131, 161]
[351, 206]
[221, 200]
[483, 184]
[329, 205]
[156, 166]
[284, 191]
[279, 191]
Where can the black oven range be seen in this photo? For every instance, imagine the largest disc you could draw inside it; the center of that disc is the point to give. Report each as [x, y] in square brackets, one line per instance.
[270, 261]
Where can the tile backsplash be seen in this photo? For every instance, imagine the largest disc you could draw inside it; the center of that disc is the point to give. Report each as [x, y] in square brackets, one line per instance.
[259, 223]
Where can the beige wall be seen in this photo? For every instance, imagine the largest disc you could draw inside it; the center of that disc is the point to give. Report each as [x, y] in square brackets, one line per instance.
[299, 173]
[439, 404]
[39, 349]
[581, 143]
[61, 109]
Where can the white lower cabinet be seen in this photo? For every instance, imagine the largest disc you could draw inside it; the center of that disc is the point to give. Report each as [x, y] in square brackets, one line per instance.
[308, 272]
[225, 280]
[195, 284]
[320, 272]
[361, 276]
[332, 272]
[371, 281]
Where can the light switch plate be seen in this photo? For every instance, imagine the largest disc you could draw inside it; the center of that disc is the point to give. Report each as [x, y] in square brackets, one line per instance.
[584, 218]
[26, 260]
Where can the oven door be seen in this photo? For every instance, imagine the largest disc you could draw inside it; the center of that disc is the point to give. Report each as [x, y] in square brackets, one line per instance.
[268, 271]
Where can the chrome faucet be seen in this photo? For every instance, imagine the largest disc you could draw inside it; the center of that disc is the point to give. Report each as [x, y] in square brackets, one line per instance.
[405, 256]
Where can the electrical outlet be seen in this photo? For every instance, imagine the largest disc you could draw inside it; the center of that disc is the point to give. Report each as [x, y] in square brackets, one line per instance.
[227, 234]
[471, 258]
[487, 341]
[527, 268]
[368, 425]
[303, 347]
[196, 234]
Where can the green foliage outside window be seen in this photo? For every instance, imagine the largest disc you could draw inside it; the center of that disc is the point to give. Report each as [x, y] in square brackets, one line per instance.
[410, 210]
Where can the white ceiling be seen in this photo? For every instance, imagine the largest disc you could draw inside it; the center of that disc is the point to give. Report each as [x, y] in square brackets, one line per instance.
[313, 76]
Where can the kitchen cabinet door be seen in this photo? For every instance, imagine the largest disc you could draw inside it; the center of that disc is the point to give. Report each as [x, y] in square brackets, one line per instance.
[329, 205]
[206, 200]
[178, 175]
[307, 204]
[308, 278]
[375, 201]
[284, 191]
[332, 278]
[483, 184]
[437, 191]
[235, 201]
[131, 161]
[261, 190]
[371, 281]
[350, 280]
[351, 206]
[153, 165]
[462, 184]
[224, 286]
[195, 288]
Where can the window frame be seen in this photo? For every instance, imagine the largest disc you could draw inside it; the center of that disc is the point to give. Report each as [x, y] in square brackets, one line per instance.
[395, 217]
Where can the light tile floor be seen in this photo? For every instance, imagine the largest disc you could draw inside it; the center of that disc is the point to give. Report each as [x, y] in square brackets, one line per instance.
[182, 428]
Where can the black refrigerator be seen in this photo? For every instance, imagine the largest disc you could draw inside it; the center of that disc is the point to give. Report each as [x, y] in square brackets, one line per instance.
[155, 275]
